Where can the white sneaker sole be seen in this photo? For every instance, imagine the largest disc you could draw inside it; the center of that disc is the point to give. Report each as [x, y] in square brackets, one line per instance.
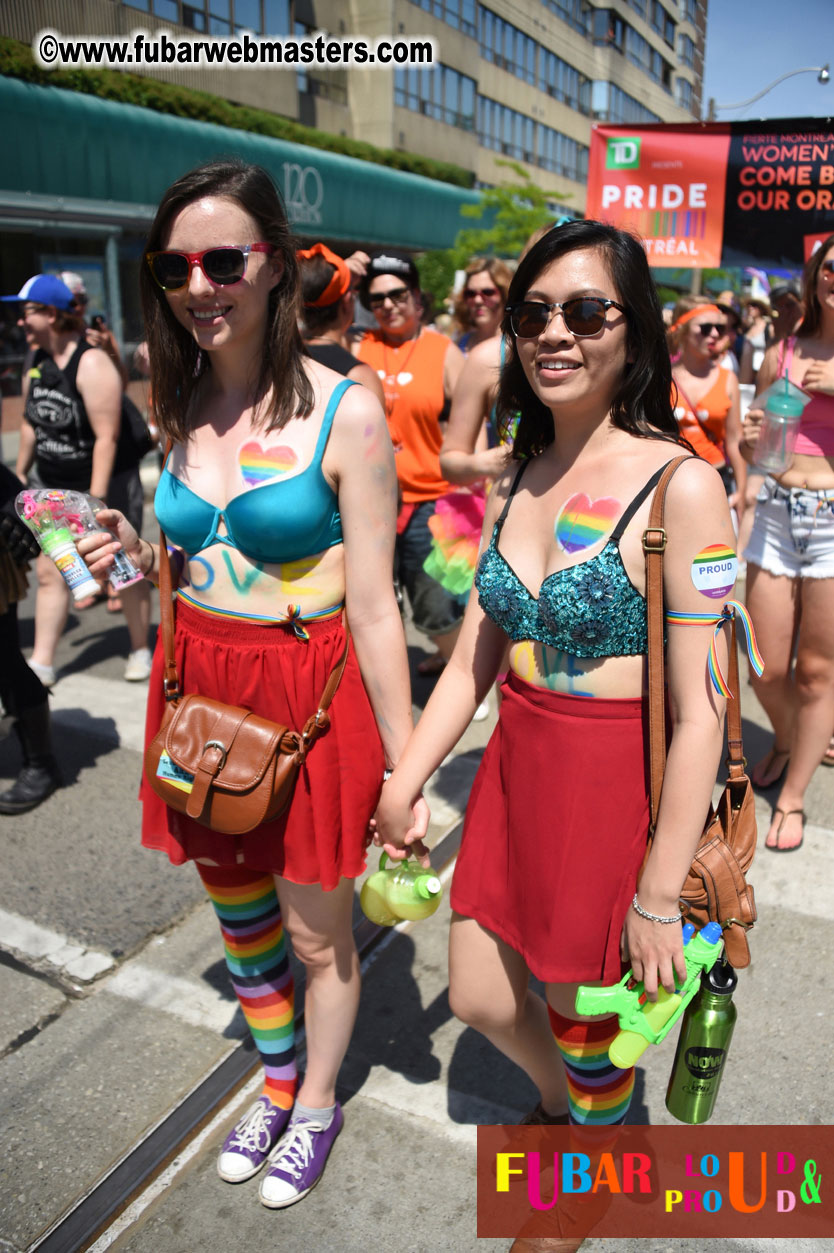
[290, 1200]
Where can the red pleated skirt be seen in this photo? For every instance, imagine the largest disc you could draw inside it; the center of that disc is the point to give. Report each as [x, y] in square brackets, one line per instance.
[556, 830]
[321, 837]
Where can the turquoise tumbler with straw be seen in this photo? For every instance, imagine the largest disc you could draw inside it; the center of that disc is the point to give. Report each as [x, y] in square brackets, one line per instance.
[783, 405]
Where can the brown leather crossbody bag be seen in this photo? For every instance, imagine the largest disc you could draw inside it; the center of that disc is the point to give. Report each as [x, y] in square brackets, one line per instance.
[222, 765]
[716, 889]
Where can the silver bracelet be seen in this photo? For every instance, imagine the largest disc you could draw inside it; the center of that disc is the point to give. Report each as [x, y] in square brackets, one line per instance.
[644, 913]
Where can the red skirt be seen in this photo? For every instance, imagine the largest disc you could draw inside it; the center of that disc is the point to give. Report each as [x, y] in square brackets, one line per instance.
[556, 829]
[321, 837]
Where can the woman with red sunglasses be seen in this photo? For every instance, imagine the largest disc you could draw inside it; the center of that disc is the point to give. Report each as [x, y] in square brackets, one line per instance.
[479, 301]
[279, 495]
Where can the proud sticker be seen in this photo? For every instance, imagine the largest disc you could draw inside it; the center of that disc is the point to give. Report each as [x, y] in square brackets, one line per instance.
[714, 570]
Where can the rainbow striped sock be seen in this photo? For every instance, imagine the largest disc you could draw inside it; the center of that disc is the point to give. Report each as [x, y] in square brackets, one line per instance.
[250, 921]
[599, 1093]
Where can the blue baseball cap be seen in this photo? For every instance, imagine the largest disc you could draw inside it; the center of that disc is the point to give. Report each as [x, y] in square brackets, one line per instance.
[45, 289]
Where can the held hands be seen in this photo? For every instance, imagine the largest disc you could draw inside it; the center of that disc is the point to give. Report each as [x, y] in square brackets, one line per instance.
[398, 826]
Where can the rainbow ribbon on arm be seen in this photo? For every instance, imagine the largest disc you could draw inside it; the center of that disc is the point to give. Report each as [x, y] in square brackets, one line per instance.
[732, 609]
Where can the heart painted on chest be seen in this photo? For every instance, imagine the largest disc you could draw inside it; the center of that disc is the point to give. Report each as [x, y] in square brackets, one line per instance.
[404, 378]
[582, 522]
[258, 465]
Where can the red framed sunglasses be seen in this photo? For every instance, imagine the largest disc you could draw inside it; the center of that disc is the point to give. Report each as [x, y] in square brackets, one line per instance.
[223, 266]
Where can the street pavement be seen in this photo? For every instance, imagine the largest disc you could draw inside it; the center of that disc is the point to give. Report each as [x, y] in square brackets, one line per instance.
[115, 1004]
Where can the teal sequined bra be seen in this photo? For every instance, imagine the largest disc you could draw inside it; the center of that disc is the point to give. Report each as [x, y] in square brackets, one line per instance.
[591, 609]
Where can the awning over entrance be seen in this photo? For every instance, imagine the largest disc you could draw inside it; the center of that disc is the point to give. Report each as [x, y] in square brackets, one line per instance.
[73, 155]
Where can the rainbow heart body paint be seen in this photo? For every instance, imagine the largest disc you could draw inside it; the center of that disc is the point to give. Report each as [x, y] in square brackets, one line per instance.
[582, 522]
[714, 570]
[259, 465]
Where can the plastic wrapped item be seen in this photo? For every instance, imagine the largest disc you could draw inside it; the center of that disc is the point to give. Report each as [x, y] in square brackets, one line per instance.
[56, 518]
[400, 890]
[44, 512]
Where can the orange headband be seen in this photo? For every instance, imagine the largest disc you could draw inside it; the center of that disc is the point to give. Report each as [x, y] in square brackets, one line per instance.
[694, 313]
[339, 283]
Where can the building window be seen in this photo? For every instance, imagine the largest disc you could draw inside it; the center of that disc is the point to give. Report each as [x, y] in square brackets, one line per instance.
[574, 12]
[514, 135]
[440, 93]
[609, 29]
[612, 104]
[689, 10]
[686, 51]
[563, 82]
[167, 9]
[457, 13]
[506, 46]
[639, 7]
[684, 91]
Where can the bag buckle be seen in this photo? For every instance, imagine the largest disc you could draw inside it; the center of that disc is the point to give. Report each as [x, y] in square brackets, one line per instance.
[649, 546]
[222, 748]
[737, 922]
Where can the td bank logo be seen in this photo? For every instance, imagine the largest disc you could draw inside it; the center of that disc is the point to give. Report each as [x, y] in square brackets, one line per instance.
[623, 154]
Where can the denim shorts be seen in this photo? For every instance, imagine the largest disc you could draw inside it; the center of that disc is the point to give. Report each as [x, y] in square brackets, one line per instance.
[793, 531]
[434, 611]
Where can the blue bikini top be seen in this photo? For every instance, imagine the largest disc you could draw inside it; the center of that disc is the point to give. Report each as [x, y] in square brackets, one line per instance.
[280, 521]
[591, 609]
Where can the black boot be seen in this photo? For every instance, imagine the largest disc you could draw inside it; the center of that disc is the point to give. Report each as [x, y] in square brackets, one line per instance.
[39, 777]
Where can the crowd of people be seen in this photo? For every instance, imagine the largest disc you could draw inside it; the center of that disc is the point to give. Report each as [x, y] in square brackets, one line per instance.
[504, 481]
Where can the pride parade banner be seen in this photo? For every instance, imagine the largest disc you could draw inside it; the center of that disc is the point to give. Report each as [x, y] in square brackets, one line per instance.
[715, 193]
[659, 1182]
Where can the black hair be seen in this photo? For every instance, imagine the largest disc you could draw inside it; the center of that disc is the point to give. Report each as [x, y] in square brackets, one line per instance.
[176, 361]
[316, 273]
[642, 405]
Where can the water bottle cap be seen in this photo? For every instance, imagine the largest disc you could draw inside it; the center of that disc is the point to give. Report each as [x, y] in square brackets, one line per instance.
[428, 885]
[711, 932]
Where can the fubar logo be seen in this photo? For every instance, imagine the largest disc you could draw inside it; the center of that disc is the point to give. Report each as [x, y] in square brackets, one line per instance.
[623, 153]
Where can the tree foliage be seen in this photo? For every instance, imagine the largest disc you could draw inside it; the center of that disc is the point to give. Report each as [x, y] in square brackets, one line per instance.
[507, 216]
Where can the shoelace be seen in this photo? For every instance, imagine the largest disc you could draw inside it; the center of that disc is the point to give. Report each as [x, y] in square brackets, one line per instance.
[254, 1131]
[293, 1153]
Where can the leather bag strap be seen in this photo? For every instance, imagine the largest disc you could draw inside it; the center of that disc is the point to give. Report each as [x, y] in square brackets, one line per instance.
[170, 681]
[654, 543]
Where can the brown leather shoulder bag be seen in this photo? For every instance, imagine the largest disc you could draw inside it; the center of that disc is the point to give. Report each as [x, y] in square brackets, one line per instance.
[222, 765]
[716, 889]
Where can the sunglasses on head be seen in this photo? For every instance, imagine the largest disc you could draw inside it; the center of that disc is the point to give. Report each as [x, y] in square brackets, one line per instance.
[398, 295]
[221, 266]
[582, 317]
[706, 328]
[487, 294]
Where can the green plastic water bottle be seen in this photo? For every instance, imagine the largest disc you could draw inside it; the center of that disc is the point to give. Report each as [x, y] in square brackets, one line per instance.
[399, 890]
[706, 1032]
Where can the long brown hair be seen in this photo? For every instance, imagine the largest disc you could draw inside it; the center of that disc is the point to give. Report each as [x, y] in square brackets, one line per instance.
[498, 271]
[177, 364]
[812, 320]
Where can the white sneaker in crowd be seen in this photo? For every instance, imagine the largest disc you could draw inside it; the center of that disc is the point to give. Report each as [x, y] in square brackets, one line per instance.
[46, 674]
[138, 667]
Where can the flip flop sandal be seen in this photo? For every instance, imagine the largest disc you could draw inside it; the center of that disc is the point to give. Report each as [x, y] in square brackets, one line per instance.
[766, 764]
[828, 755]
[791, 848]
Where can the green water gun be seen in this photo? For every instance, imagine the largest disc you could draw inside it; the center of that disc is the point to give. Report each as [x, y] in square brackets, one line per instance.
[644, 1022]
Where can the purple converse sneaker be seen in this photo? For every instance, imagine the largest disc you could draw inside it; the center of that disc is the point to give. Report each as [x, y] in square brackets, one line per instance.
[247, 1146]
[297, 1162]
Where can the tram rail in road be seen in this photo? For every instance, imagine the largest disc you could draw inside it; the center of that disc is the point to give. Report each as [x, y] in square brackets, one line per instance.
[98, 1208]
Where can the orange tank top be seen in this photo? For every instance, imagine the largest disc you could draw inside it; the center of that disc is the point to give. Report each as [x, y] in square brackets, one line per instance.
[703, 422]
[412, 379]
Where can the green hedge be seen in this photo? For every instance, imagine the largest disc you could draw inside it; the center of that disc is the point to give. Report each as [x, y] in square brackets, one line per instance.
[17, 61]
